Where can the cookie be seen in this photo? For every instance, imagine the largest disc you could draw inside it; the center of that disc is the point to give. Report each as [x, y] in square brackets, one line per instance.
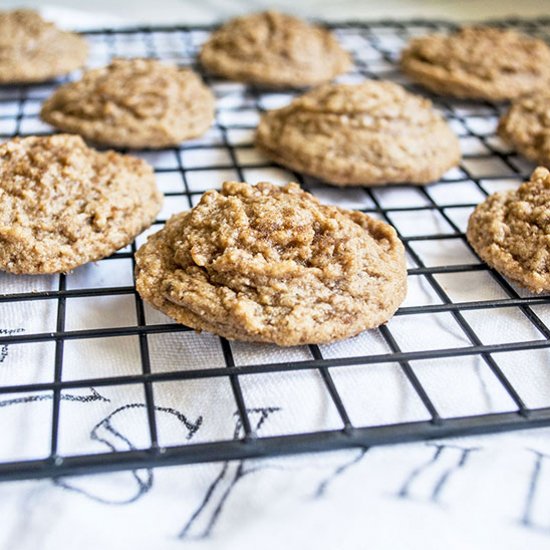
[63, 204]
[34, 50]
[271, 264]
[526, 126]
[360, 134]
[136, 103]
[478, 63]
[511, 232]
[274, 50]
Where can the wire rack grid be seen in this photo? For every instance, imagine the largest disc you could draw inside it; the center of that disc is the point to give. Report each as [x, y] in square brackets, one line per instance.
[62, 337]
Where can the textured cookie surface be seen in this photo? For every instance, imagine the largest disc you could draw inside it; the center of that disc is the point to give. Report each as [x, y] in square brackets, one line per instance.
[526, 126]
[274, 49]
[137, 103]
[478, 63]
[511, 232]
[270, 264]
[34, 50]
[63, 204]
[369, 133]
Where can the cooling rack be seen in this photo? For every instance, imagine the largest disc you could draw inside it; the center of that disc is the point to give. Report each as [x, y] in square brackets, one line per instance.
[93, 380]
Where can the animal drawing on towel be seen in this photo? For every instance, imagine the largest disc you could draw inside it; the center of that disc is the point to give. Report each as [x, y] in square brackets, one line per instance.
[109, 434]
[202, 520]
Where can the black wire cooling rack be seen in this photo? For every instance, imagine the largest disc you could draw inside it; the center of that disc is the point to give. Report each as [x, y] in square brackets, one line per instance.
[227, 152]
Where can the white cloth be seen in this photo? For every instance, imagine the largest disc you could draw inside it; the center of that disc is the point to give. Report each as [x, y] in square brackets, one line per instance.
[476, 492]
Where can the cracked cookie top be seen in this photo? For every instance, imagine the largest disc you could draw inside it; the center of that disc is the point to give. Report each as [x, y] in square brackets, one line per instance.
[478, 63]
[63, 204]
[274, 49]
[370, 133]
[34, 50]
[137, 103]
[511, 232]
[271, 264]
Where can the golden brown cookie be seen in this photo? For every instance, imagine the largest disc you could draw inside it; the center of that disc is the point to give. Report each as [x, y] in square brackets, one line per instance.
[136, 103]
[478, 63]
[370, 133]
[271, 264]
[526, 126]
[274, 49]
[511, 232]
[63, 204]
[34, 50]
